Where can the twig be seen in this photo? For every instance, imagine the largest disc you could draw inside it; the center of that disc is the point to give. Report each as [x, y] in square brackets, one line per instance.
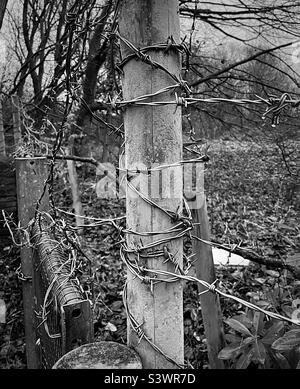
[254, 257]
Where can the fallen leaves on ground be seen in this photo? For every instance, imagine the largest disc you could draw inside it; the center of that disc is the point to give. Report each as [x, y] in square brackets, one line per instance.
[246, 194]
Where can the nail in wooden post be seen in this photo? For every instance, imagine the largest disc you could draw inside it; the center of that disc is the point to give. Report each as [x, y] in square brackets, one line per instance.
[31, 176]
[153, 137]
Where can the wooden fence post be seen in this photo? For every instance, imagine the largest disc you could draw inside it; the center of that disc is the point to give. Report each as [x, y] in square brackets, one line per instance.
[31, 175]
[210, 305]
[73, 180]
[2, 135]
[153, 137]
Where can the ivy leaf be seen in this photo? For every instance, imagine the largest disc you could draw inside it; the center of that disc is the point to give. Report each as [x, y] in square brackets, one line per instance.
[288, 341]
[238, 326]
[233, 338]
[248, 340]
[273, 332]
[245, 359]
[244, 320]
[282, 361]
[258, 322]
[230, 352]
[259, 353]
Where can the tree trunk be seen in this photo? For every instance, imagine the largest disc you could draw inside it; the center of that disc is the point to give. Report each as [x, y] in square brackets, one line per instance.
[3, 4]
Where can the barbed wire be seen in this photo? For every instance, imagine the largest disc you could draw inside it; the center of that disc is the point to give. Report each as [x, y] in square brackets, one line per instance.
[130, 254]
[138, 53]
[151, 276]
[137, 328]
[275, 105]
[174, 277]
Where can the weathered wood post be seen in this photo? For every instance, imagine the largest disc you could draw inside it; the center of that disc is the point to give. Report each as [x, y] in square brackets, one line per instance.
[31, 175]
[73, 180]
[153, 137]
[205, 270]
[2, 135]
